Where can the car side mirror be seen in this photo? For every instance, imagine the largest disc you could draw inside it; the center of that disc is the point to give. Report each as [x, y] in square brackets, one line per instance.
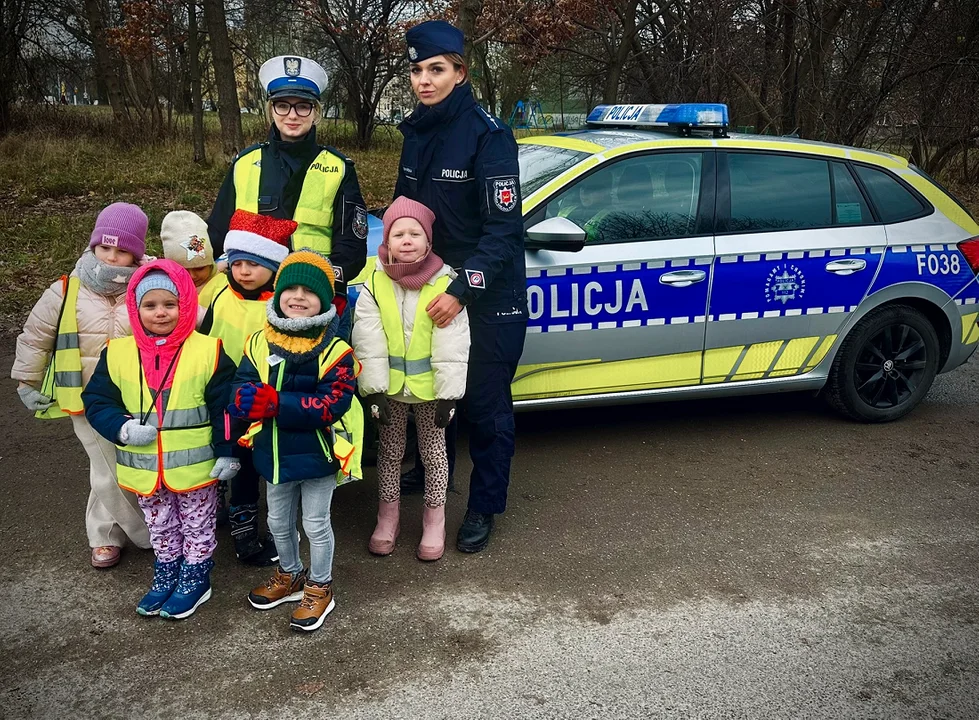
[556, 233]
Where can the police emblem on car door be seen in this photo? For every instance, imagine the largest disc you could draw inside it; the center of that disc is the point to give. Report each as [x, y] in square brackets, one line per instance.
[797, 249]
[628, 311]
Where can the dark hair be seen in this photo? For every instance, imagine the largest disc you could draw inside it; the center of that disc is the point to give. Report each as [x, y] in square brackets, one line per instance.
[459, 63]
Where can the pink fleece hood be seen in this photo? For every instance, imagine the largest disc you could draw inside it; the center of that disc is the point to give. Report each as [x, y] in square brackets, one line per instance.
[157, 352]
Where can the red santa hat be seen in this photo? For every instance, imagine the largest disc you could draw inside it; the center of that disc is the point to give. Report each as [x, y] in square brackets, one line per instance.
[259, 238]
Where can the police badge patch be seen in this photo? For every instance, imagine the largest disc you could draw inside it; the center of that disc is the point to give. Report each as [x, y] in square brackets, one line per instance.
[292, 65]
[412, 53]
[359, 223]
[475, 279]
[505, 193]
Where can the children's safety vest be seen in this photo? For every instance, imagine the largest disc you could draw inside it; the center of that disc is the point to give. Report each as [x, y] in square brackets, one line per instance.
[63, 376]
[211, 288]
[346, 443]
[182, 455]
[234, 319]
[411, 366]
[314, 211]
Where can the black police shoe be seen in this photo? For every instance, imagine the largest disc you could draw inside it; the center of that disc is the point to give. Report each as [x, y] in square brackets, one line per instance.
[413, 482]
[475, 532]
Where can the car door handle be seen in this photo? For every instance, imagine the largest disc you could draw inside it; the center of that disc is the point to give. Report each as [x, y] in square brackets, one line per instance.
[682, 278]
[846, 267]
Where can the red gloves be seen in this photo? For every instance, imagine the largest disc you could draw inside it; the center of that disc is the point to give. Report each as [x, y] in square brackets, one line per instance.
[255, 402]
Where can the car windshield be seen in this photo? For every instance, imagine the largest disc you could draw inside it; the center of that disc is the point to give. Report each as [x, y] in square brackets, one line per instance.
[539, 164]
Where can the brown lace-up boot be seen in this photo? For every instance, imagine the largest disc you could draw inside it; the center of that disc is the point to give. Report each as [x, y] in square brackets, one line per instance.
[316, 604]
[282, 587]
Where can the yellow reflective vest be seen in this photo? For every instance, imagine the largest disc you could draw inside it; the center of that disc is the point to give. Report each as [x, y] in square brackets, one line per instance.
[182, 456]
[63, 376]
[233, 319]
[411, 366]
[314, 211]
[346, 444]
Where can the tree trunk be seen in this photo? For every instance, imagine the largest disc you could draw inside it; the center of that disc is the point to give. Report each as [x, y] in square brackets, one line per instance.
[789, 75]
[194, 74]
[229, 113]
[106, 68]
[469, 11]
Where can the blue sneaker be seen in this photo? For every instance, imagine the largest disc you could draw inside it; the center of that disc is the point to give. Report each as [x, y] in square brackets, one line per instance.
[193, 590]
[165, 576]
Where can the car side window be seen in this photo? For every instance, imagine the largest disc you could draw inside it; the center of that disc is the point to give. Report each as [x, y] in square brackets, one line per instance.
[849, 206]
[894, 202]
[650, 197]
[778, 192]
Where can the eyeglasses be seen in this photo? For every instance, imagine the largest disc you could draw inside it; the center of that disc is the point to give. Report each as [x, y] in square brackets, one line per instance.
[282, 108]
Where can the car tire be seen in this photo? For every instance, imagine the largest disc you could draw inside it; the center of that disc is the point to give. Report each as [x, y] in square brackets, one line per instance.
[885, 366]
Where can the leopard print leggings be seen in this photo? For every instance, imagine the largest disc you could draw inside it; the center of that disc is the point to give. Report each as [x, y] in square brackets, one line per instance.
[431, 443]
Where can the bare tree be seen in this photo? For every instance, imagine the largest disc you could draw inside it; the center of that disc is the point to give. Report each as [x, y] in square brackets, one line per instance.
[229, 112]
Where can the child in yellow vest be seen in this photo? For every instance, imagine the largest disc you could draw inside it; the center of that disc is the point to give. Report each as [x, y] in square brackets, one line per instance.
[160, 396]
[296, 385]
[409, 362]
[185, 241]
[57, 353]
[255, 245]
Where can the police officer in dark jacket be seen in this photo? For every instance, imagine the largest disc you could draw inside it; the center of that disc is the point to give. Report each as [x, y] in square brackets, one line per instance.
[461, 162]
[292, 176]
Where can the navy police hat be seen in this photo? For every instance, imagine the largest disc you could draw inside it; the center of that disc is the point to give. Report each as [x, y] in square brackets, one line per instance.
[293, 76]
[431, 38]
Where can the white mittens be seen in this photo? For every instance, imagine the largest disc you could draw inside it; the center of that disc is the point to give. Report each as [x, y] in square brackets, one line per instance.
[33, 399]
[133, 433]
[225, 468]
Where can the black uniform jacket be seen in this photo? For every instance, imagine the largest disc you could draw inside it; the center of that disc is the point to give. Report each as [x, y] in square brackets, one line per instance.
[461, 162]
[284, 167]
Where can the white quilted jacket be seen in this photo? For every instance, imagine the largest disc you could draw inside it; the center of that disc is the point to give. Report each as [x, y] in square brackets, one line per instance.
[100, 319]
[450, 345]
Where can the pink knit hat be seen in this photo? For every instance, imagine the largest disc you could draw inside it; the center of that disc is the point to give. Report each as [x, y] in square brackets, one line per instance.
[123, 226]
[404, 207]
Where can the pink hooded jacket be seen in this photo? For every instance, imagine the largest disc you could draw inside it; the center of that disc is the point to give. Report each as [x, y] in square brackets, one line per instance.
[156, 353]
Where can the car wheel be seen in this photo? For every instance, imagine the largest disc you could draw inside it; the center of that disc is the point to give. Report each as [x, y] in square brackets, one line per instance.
[885, 366]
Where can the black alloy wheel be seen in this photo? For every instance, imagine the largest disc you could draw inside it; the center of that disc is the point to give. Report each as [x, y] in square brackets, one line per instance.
[885, 365]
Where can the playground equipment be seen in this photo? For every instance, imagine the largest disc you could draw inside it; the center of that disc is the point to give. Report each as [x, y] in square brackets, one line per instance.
[529, 116]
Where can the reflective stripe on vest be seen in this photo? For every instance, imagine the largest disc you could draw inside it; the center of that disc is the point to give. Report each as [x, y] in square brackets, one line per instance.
[314, 210]
[63, 376]
[182, 455]
[347, 433]
[411, 367]
[234, 319]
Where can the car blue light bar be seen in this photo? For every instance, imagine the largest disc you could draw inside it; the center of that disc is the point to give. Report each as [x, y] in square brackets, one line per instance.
[709, 116]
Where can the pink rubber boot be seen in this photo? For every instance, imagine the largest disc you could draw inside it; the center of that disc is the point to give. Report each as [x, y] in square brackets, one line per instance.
[386, 532]
[432, 545]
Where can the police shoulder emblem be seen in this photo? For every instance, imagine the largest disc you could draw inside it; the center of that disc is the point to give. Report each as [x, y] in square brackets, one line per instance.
[412, 53]
[505, 193]
[475, 279]
[785, 283]
[359, 223]
[292, 66]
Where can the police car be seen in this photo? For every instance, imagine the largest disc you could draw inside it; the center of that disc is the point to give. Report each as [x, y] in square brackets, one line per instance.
[668, 258]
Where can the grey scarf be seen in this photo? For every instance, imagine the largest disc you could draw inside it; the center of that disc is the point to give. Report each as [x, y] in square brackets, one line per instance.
[102, 278]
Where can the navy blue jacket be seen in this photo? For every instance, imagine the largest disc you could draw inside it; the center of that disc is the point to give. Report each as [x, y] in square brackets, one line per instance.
[107, 413]
[308, 404]
[461, 162]
[284, 167]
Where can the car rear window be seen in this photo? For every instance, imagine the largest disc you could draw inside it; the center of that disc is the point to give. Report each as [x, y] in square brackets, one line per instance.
[539, 164]
[778, 192]
[894, 202]
[849, 206]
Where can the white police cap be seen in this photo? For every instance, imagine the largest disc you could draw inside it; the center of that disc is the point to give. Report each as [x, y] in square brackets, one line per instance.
[293, 76]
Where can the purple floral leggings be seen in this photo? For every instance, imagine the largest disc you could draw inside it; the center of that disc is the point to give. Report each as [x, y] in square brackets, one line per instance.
[182, 524]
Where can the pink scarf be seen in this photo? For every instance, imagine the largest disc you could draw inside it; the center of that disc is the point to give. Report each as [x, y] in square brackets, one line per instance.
[410, 276]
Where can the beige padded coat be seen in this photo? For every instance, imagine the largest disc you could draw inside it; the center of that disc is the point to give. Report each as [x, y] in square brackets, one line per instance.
[450, 345]
[100, 319]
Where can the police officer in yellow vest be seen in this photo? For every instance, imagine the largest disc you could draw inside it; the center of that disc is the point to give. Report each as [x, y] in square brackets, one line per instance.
[291, 176]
